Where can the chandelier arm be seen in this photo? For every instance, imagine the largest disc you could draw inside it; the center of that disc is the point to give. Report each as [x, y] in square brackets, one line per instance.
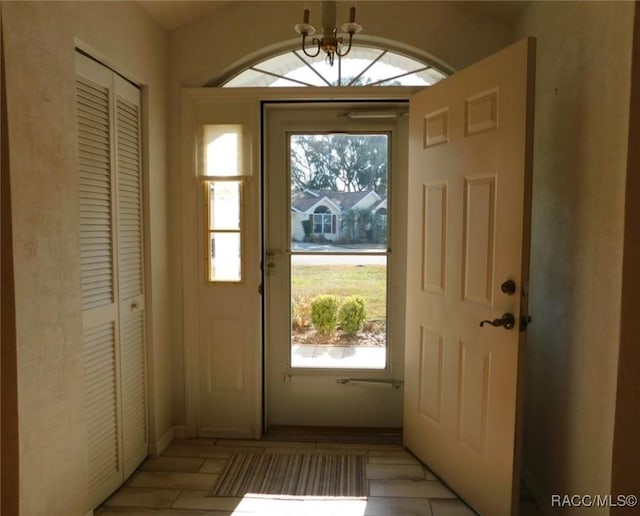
[342, 54]
[315, 41]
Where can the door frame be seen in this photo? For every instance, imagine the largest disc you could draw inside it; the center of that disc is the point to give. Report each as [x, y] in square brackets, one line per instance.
[195, 103]
[280, 120]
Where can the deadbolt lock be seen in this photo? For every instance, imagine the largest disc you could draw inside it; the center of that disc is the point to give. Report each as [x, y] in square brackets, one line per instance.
[508, 287]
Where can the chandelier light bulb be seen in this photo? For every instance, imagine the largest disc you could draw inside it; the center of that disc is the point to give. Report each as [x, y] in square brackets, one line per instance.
[329, 43]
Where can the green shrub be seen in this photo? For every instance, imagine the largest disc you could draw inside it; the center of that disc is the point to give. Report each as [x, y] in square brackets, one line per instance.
[324, 310]
[352, 314]
[307, 227]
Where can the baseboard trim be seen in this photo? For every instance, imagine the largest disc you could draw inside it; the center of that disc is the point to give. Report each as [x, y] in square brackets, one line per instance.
[537, 492]
[226, 433]
[181, 432]
[156, 449]
[334, 434]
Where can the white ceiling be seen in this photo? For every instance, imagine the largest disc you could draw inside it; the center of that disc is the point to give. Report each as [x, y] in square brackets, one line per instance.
[170, 14]
[505, 10]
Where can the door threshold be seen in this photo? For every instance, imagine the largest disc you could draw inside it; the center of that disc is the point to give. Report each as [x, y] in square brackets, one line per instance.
[334, 434]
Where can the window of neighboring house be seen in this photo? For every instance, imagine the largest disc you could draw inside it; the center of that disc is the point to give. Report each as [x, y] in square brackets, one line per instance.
[362, 66]
[380, 229]
[322, 220]
[381, 217]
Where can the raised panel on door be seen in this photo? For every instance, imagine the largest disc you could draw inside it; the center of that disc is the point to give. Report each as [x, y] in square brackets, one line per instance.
[470, 151]
[474, 377]
[431, 375]
[434, 237]
[224, 374]
[478, 239]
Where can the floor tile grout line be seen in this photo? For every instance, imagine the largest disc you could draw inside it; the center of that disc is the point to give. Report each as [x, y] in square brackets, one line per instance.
[201, 457]
[176, 500]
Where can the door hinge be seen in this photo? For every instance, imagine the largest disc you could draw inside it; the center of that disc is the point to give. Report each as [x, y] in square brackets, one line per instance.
[525, 320]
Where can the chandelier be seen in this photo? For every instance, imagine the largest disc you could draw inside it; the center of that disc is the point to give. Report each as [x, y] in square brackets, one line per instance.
[329, 43]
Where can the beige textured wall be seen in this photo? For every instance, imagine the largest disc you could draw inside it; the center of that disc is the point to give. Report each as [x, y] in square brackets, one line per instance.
[205, 48]
[578, 214]
[580, 158]
[455, 35]
[39, 48]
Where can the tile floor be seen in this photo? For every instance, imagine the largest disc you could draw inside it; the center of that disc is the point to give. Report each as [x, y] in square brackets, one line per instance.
[179, 482]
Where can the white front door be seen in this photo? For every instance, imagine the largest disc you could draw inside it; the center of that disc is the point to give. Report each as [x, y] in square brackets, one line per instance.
[468, 226]
[221, 263]
[221, 231]
[332, 178]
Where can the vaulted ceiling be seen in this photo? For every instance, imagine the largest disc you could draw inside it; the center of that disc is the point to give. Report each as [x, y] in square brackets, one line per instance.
[170, 14]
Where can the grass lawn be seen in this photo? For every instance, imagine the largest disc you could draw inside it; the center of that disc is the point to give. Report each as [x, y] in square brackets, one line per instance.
[368, 281]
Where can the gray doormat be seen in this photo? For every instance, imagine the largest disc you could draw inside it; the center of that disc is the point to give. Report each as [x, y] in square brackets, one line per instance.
[295, 474]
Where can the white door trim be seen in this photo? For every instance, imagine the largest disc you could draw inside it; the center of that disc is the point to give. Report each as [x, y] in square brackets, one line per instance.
[288, 403]
[195, 103]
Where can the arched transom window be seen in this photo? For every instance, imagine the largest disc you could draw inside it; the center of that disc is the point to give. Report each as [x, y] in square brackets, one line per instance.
[363, 66]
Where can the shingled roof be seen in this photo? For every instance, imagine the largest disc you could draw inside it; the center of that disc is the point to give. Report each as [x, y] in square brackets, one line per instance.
[302, 200]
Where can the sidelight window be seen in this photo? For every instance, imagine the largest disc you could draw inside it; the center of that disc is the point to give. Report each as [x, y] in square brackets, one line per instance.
[221, 167]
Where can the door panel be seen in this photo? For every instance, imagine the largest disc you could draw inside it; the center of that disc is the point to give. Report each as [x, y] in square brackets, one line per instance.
[220, 195]
[98, 273]
[434, 253]
[478, 238]
[330, 383]
[213, 405]
[112, 274]
[469, 166]
[131, 274]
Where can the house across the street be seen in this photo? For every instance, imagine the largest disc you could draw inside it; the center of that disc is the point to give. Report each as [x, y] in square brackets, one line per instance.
[346, 217]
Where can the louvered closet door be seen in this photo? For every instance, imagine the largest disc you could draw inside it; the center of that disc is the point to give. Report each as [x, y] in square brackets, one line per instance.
[130, 277]
[111, 245]
[98, 277]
